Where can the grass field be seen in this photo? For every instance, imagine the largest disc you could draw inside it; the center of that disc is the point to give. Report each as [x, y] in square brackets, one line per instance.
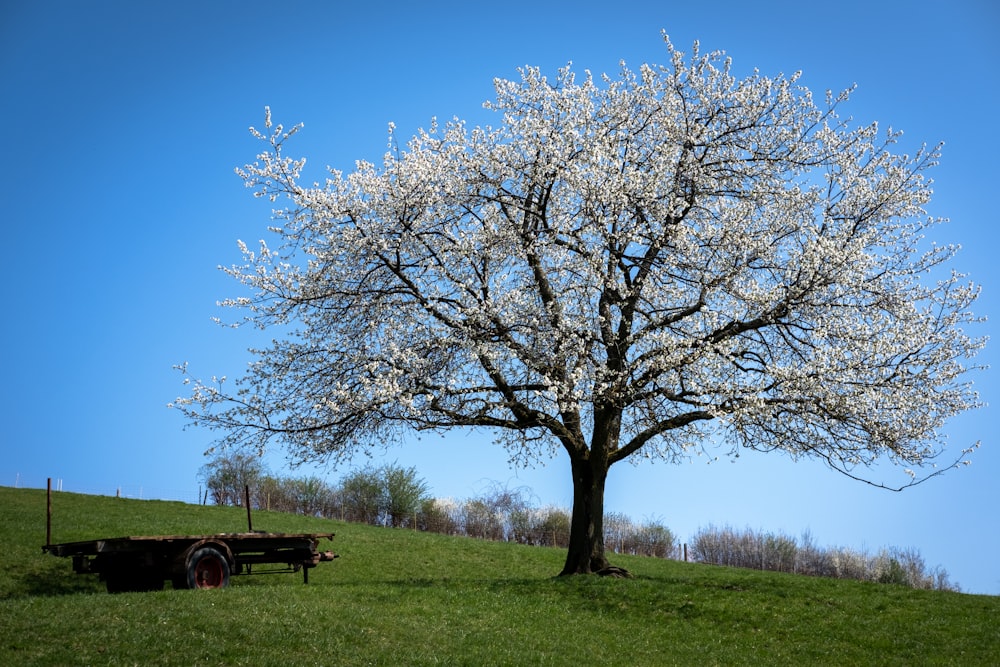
[397, 597]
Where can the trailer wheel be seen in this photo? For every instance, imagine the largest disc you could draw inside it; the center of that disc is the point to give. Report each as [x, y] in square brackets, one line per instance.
[207, 568]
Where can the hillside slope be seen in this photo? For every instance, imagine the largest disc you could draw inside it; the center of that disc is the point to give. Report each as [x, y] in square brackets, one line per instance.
[400, 597]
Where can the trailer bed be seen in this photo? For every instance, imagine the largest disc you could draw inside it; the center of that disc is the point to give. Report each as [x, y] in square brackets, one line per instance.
[245, 540]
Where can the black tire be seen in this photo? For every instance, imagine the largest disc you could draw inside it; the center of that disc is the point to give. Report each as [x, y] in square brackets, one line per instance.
[207, 568]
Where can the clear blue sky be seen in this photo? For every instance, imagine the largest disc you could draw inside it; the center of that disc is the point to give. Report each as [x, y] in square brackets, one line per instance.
[122, 123]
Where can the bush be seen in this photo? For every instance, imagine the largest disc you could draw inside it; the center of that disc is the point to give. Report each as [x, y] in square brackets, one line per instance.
[386, 496]
[403, 495]
[478, 519]
[553, 529]
[229, 474]
[656, 540]
[361, 496]
[439, 516]
[619, 533]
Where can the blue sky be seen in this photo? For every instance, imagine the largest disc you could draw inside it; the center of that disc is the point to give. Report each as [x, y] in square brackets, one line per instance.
[123, 122]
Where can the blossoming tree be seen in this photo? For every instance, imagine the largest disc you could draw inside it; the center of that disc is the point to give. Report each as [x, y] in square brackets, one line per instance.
[624, 267]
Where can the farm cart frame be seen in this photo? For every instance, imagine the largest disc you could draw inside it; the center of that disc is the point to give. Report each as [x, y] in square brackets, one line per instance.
[145, 563]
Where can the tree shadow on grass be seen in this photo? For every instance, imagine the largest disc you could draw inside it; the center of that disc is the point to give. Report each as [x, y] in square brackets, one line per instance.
[49, 580]
[50, 587]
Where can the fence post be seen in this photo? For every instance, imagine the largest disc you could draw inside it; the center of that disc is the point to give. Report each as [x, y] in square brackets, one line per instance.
[685, 552]
[48, 513]
[246, 488]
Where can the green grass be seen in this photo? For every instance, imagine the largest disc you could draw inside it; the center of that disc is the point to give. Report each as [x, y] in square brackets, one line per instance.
[397, 597]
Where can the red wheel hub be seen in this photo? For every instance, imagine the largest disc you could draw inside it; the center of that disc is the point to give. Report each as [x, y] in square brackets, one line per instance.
[208, 573]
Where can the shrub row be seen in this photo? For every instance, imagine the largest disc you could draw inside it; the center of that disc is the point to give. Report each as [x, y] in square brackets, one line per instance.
[781, 553]
[390, 495]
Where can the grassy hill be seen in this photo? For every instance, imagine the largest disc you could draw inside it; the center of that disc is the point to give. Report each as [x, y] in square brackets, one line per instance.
[397, 597]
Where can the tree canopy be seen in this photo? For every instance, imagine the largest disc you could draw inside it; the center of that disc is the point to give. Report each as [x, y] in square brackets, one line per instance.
[624, 266]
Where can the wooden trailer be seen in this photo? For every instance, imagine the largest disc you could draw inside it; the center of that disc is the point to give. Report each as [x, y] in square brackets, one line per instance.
[192, 561]
[189, 561]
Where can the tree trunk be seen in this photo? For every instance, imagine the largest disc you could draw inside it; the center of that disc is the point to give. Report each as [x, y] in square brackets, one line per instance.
[586, 537]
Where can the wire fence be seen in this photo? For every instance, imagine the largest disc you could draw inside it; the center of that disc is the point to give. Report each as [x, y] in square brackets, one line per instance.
[135, 491]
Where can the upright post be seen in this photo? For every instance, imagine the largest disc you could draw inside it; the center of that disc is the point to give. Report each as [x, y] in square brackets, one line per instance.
[48, 513]
[246, 489]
